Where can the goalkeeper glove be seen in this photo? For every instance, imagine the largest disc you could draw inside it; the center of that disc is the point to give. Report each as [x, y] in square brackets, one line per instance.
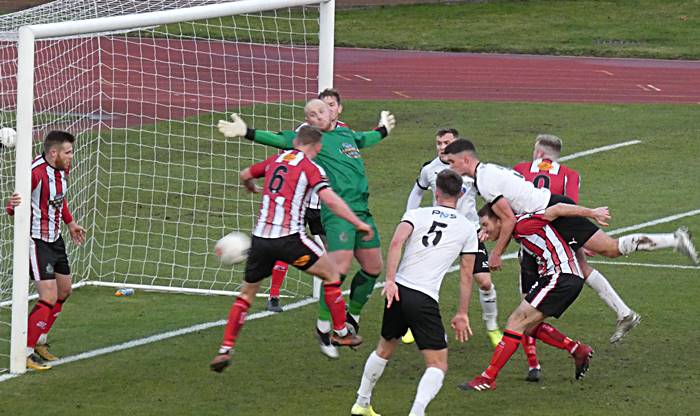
[8, 137]
[387, 120]
[236, 128]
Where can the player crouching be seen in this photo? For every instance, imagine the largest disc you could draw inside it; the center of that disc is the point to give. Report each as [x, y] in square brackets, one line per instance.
[290, 179]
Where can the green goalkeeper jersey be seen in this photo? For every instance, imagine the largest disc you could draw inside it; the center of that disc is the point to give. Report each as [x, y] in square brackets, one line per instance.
[339, 156]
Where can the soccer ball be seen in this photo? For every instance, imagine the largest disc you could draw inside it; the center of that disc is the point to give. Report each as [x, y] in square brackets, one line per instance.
[232, 248]
[8, 137]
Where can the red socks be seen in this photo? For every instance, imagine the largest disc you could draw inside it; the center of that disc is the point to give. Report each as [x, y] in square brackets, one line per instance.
[236, 319]
[279, 272]
[55, 311]
[550, 335]
[505, 349]
[336, 304]
[38, 322]
[530, 348]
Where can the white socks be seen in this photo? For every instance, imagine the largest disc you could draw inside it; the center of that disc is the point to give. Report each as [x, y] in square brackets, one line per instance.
[645, 242]
[489, 307]
[374, 367]
[602, 287]
[428, 387]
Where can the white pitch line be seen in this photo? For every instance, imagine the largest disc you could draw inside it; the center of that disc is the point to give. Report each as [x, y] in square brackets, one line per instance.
[659, 266]
[663, 220]
[170, 334]
[608, 73]
[643, 87]
[653, 87]
[598, 150]
[363, 78]
[342, 77]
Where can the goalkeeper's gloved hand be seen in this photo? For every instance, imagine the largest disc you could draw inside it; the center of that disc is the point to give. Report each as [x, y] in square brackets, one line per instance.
[8, 137]
[235, 128]
[387, 120]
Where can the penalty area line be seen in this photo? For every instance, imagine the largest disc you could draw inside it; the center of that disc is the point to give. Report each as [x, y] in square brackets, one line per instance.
[170, 334]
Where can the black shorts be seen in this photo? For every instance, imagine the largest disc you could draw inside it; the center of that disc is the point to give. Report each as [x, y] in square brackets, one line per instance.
[528, 271]
[575, 230]
[481, 262]
[296, 249]
[312, 219]
[417, 311]
[552, 295]
[47, 259]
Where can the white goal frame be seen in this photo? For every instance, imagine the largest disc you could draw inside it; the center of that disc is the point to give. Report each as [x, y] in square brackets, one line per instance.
[28, 35]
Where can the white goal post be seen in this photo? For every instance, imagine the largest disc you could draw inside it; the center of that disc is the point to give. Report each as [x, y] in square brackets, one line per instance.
[167, 163]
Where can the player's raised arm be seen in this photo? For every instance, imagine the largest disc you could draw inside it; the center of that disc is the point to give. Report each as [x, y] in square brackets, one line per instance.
[387, 122]
[460, 322]
[238, 128]
[501, 207]
[601, 214]
[402, 233]
[341, 209]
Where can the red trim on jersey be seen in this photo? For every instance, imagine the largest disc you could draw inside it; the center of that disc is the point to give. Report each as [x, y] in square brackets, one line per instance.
[559, 179]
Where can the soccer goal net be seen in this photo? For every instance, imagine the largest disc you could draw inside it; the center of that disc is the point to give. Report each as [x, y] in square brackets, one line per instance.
[141, 84]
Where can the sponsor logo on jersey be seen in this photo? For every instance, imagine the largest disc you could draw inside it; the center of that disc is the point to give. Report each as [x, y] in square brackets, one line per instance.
[302, 261]
[444, 214]
[545, 165]
[289, 157]
[350, 150]
[57, 200]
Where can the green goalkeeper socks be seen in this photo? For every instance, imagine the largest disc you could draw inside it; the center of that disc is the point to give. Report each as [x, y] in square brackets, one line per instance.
[360, 291]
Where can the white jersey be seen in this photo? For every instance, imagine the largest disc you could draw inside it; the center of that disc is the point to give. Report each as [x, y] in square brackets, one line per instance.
[440, 234]
[466, 204]
[494, 181]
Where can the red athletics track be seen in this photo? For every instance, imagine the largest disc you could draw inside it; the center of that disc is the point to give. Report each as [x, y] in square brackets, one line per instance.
[128, 81]
[384, 74]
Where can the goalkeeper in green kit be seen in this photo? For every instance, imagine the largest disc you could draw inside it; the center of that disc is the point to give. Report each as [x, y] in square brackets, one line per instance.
[342, 162]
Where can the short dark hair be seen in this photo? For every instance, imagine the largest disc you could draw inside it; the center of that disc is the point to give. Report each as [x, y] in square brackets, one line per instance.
[449, 183]
[329, 92]
[309, 135]
[486, 211]
[459, 146]
[443, 131]
[57, 138]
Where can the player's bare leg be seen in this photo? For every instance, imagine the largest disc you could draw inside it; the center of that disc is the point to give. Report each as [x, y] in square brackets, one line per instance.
[374, 367]
[63, 289]
[489, 307]
[627, 319]
[236, 319]
[431, 382]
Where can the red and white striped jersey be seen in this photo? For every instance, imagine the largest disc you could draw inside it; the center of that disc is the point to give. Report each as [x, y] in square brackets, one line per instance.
[537, 236]
[49, 206]
[545, 173]
[290, 179]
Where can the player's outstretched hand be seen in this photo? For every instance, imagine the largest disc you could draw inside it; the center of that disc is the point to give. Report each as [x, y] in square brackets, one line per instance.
[601, 215]
[460, 324]
[77, 233]
[15, 199]
[252, 187]
[391, 291]
[234, 128]
[8, 137]
[367, 229]
[387, 120]
[494, 261]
